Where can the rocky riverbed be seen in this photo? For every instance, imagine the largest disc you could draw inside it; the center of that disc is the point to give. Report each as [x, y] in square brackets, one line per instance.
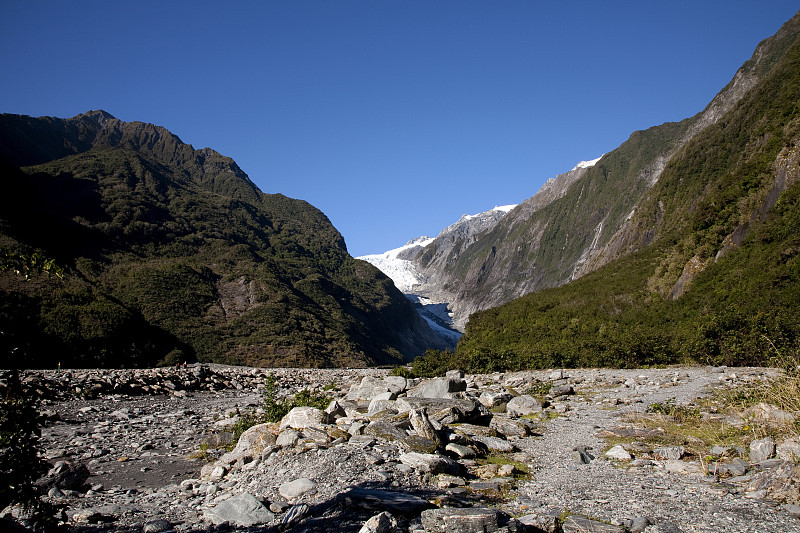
[144, 450]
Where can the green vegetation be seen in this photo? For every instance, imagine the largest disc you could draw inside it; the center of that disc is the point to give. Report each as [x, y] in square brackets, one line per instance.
[20, 461]
[165, 254]
[715, 275]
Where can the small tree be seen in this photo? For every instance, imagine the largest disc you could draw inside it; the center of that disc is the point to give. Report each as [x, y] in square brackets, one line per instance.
[20, 462]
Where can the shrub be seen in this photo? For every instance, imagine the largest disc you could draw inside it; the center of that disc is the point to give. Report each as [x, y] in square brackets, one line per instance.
[20, 462]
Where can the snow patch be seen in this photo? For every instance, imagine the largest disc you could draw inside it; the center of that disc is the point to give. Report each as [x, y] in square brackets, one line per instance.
[587, 164]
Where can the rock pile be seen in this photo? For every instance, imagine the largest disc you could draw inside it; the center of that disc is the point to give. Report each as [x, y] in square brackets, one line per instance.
[501, 452]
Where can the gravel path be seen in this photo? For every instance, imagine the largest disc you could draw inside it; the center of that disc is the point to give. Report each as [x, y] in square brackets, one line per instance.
[613, 493]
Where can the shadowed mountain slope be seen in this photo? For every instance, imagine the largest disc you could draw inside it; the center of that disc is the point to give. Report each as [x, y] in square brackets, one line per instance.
[170, 253]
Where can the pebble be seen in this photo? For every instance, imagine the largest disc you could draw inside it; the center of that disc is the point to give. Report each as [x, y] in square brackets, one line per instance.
[141, 476]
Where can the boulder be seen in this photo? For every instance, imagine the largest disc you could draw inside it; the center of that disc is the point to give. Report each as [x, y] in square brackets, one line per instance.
[523, 405]
[576, 524]
[510, 427]
[303, 417]
[422, 425]
[294, 516]
[431, 463]
[367, 389]
[294, 489]
[443, 410]
[493, 399]
[395, 502]
[460, 520]
[242, 510]
[761, 449]
[379, 404]
[380, 523]
[251, 443]
[618, 452]
[438, 388]
[288, 438]
[64, 475]
[669, 453]
[789, 450]
[387, 431]
[395, 384]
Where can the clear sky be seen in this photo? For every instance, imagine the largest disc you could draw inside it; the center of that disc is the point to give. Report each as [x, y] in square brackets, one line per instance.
[393, 117]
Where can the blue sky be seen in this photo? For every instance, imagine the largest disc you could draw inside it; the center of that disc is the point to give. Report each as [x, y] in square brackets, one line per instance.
[392, 117]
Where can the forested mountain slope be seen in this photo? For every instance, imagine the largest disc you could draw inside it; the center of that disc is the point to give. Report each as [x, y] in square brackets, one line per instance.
[705, 268]
[581, 220]
[123, 246]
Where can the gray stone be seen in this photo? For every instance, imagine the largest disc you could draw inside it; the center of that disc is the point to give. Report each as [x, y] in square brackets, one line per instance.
[241, 510]
[378, 404]
[664, 527]
[720, 450]
[669, 453]
[438, 388]
[388, 395]
[579, 524]
[523, 405]
[761, 450]
[64, 475]
[561, 390]
[432, 463]
[287, 438]
[493, 399]
[422, 424]
[581, 456]
[789, 450]
[463, 452]
[278, 506]
[443, 410]
[333, 412]
[549, 523]
[380, 523]
[455, 520]
[473, 429]
[294, 516]
[397, 503]
[395, 384]
[792, 509]
[618, 452]
[509, 427]
[639, 524]
[250, 444]
[156, 526]
[387, 431]
[294, 489]
[303, 417]
[367, 389]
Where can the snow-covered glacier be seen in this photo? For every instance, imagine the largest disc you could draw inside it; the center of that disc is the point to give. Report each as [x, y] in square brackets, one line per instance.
[402, 271]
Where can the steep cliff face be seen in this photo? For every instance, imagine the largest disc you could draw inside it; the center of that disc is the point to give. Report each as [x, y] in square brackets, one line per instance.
[171, 253]
[581, 220]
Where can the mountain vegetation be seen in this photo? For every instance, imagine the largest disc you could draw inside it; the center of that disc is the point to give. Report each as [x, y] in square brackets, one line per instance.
[122, 246]
[578, 221]
[706, 266]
